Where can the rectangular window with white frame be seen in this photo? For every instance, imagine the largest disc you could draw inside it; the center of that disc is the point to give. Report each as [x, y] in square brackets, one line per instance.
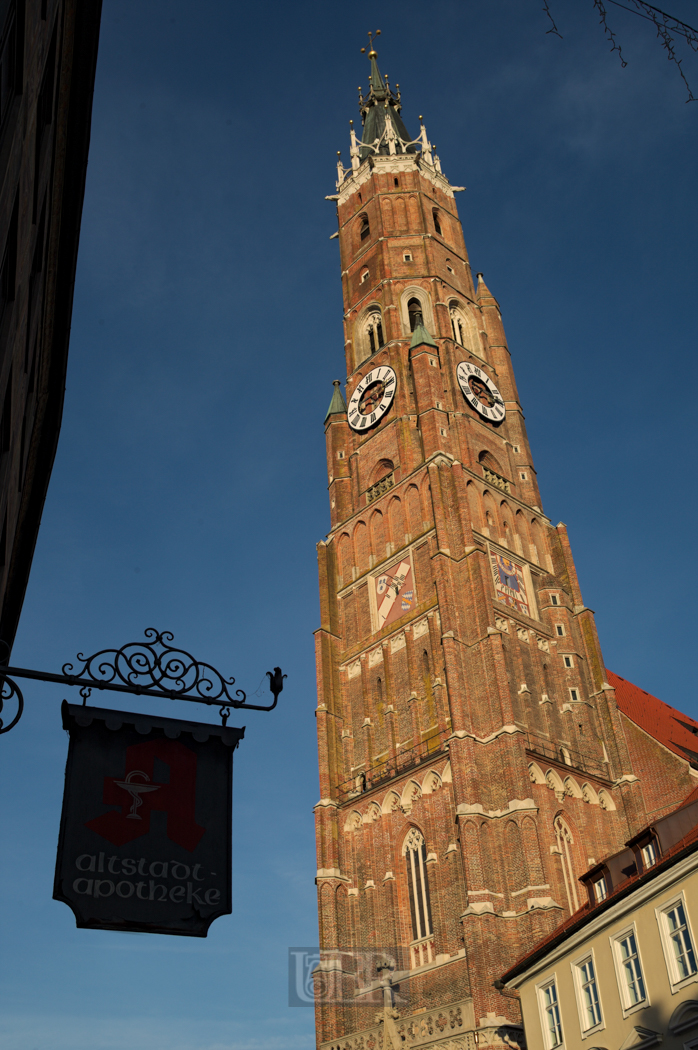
[587, 991]
[677, 942]
[600, 889]
[649, 855]
[629, 971]
[551, 1020]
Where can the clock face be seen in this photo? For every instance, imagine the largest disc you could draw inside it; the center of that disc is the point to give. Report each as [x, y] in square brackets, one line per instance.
[372, 398]
[480, 392]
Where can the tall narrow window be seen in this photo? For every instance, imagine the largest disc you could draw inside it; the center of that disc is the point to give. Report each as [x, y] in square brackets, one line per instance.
[564, 844]
[374, 331]
[552, 1024]
[457, 325]
[589, 995]
[649, 855]
[415, 852]
[630, 970]
[677, 942]
[437, 224]
[364, 228]
[414, 310]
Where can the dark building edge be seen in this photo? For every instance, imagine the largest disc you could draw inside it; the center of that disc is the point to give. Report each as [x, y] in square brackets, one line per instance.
[78, 61]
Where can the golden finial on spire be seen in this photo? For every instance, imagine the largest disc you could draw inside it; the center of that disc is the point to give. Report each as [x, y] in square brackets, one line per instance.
[371, 52]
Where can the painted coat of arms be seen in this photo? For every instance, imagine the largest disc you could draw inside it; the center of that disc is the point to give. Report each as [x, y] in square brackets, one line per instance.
[510, 583]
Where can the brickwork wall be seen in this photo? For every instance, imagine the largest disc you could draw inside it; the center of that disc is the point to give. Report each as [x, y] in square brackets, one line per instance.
[491, 731]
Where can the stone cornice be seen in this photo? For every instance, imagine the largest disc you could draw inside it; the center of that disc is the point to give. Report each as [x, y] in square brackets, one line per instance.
[326, 803]
[476, 809]
[391, 165]
[533, 904]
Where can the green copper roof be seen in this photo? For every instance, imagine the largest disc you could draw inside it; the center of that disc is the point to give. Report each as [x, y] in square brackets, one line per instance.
[337, 404]
[381, 104]
[420, 336]
[377, 83]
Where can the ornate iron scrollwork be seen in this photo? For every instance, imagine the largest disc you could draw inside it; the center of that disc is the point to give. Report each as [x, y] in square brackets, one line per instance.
[152, 667]
[155, 664]
[10, 690]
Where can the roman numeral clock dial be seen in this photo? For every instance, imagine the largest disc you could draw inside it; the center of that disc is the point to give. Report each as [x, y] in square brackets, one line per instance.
[480, 392]
[372, 398]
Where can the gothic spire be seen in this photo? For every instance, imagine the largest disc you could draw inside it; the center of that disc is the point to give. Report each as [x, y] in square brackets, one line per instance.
[383, 129]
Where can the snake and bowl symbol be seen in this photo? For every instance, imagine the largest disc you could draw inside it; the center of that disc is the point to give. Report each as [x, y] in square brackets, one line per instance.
[136, 789]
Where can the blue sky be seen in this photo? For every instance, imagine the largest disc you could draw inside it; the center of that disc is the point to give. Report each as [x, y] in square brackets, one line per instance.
[189, 489]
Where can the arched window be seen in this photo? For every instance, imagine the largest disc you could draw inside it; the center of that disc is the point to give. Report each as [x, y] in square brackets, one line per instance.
[415, 852]
[486, 459]
[565, 841]
[374, 330]
[457, 324]
[364, 227]
[414, 310]
[437, 224]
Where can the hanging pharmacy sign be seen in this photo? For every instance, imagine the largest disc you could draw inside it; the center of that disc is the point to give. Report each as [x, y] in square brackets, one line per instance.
[145, 839]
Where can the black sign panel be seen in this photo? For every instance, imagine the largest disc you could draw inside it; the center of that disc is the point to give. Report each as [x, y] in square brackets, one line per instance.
[145, 840]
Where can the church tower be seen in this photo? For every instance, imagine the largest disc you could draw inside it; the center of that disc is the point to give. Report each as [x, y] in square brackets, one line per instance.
[473, 761]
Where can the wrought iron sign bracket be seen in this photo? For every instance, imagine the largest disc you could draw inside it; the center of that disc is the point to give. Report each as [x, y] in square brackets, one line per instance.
[152, 667]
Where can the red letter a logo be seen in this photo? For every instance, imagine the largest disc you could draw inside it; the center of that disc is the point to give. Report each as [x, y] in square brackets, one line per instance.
[137, 796]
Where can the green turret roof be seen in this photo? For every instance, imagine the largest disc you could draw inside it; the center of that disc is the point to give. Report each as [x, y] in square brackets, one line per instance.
[337, 404]
[421, 336]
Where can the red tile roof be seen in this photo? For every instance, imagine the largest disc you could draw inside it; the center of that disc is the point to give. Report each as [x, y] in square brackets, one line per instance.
[670, 727]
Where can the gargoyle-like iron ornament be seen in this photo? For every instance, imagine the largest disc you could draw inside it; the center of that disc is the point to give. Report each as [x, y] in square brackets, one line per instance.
[152, 667]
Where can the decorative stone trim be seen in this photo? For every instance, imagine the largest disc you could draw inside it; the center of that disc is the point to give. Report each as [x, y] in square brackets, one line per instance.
[382, 486]
[327, 803]
[492, 478]
[466, 809]
[532, 904]
[449, 1027]
[462, 734]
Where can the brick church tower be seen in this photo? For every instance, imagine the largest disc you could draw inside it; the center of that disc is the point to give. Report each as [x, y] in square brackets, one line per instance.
[474, 756]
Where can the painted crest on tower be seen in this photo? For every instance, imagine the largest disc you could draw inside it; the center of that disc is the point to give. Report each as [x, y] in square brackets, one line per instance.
[393, 592]
[510, 583]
